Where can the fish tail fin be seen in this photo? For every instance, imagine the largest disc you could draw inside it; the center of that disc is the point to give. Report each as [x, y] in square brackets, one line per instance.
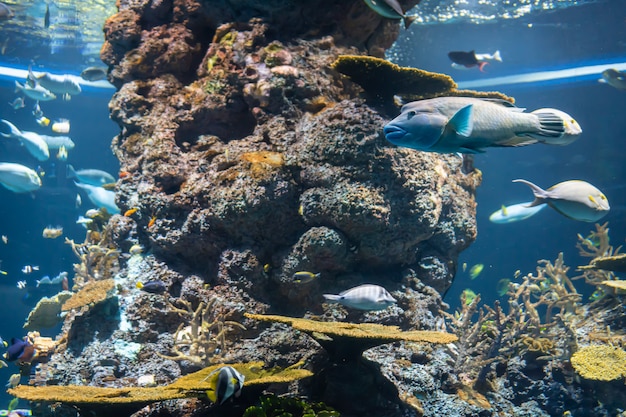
[332, 297]
[497, 56]
[13, 130]
[139, 285]
[408, 20]
[71, 172]
[539, 193]
[481, 66]
[18, 87]
[551, 125]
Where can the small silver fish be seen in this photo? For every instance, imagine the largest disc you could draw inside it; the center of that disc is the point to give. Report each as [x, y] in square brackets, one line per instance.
[470, 125]
[364, 297]
[575, 199]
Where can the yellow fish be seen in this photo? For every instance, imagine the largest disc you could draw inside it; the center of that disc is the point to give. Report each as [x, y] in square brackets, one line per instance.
[475, 271]
[304, 277]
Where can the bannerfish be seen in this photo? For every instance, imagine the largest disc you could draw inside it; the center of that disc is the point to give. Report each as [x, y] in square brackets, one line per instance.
[614, 78]
[515, 212]
[32, 141]
[575, 199]
[18, 178]
[364, 297]
[465, 60]
[100, 197]
[470, 125]
[55, 142]
[94, 177]
[20, 350]
[93, 74]
[57, 84]
[225, 382]
[390, 9]
[36, 92]
[153, 287]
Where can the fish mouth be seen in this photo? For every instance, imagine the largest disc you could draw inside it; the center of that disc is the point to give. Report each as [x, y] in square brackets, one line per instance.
[394, 133]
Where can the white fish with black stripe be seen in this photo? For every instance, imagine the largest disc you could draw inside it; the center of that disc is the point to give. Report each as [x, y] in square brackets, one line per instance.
[225, 382]
[364, 297]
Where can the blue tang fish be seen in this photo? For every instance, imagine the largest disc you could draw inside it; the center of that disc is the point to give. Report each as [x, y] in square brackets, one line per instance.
[21, 350]
[470, 125]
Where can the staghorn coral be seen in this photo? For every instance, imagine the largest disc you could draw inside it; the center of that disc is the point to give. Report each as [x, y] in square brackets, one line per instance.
[600, 363]
[99, 258]
[204, 339]
[100, 401]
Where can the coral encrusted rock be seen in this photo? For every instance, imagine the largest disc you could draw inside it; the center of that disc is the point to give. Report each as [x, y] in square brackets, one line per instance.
[248, 159]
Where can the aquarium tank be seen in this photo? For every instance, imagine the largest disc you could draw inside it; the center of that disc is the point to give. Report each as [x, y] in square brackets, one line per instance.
[312, 208]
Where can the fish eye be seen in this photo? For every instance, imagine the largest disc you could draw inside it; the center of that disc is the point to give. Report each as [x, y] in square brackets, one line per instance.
[410, 114]
[602, 196]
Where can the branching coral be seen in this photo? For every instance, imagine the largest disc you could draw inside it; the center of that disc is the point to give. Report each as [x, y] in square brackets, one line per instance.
[99, 259]
[202, 338]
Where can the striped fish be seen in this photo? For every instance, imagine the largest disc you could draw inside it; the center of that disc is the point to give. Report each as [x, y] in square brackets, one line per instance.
[225, 382]
[363, 297]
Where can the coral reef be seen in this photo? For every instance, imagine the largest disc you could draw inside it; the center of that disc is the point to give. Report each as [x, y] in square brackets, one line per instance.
[47, 312]
[100, 401]
[90, 294]
[600, 363]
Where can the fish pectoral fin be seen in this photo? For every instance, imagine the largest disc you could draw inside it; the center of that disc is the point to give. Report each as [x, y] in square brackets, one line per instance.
[464, 149]
[462, 122]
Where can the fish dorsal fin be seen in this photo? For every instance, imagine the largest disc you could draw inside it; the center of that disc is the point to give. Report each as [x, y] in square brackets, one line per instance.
[462, 122]
[504, 103]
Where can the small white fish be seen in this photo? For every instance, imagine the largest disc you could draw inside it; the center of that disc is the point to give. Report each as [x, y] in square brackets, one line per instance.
[575, 199]
[84, 221]
[515, 213]
[363, 297]
[61, 126]
[27, 269]
[21, 285]
[5, 239]
[79, 201]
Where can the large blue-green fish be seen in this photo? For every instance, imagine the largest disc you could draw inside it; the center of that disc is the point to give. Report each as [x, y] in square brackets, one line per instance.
[57, 84]
[18, 178]
[36, 92]
[575, 199]
[470, 125]
[515, 212]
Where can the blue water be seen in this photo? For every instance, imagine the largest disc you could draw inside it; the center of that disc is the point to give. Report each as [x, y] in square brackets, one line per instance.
[579, 36]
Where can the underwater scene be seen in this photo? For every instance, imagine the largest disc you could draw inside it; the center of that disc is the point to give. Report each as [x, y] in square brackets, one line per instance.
[312, 208]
